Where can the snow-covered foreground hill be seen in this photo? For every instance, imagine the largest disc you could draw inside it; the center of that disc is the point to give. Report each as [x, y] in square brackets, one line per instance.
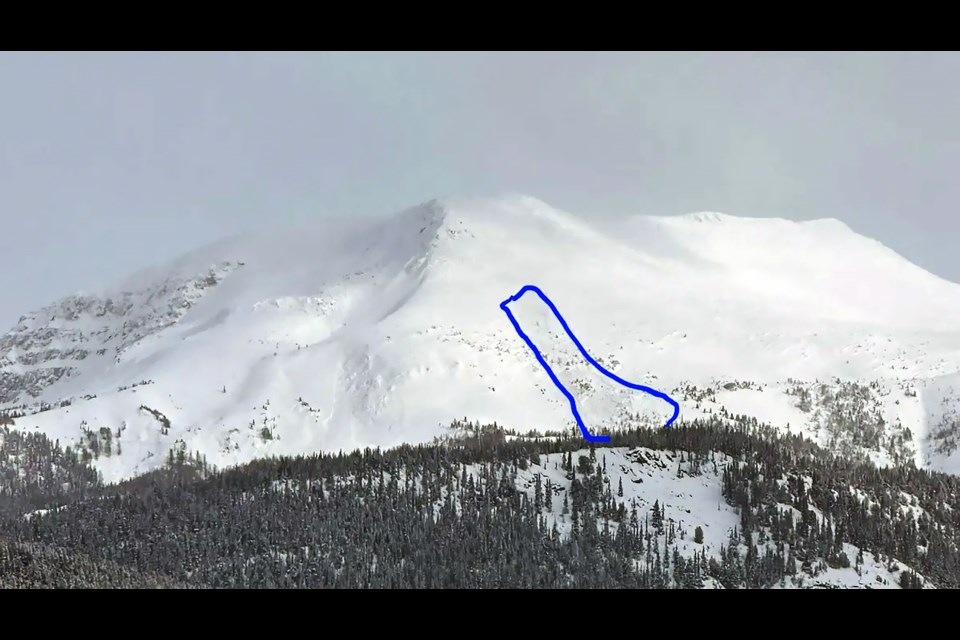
[673, 501]
[380, 331]
[689, 497]
[706, 505]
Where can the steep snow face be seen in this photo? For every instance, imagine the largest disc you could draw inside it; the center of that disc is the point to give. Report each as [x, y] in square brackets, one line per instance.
[381, 331]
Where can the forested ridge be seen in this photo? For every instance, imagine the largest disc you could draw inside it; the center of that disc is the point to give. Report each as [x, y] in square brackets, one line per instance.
[481, 509]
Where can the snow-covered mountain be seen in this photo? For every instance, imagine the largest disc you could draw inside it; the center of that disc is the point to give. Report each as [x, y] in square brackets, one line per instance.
[375, 332]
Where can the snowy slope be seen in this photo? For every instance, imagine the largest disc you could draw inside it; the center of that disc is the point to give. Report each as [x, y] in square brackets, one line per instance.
[381, 331]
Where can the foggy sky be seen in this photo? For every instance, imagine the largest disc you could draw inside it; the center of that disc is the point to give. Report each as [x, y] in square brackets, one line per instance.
[113, 162]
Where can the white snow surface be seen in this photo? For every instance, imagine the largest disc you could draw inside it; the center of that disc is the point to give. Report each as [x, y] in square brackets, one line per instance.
[375, 332]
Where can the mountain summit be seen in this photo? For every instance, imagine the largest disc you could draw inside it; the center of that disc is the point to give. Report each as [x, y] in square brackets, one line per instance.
[374, 332]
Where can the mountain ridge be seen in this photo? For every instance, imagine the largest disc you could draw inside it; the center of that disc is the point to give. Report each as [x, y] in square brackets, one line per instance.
[379, 331]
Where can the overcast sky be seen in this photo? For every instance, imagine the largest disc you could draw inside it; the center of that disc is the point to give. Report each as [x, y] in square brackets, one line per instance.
[112, 162]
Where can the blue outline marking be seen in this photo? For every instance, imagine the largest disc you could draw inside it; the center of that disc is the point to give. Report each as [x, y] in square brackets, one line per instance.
[543, 363]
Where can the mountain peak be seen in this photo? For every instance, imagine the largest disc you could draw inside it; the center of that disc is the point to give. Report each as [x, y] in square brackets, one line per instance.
[378, 331]
[716, 217]
[708, 216]
[502, 207]
[509, 199]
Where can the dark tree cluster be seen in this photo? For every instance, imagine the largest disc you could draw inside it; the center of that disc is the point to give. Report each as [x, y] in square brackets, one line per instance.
[27, 566]
[36, 473]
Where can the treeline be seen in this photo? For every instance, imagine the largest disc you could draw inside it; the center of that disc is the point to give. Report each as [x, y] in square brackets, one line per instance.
[36, 473]
[451, 515]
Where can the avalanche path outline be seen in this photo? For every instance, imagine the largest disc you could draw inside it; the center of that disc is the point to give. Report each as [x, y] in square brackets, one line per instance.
[543, 363]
